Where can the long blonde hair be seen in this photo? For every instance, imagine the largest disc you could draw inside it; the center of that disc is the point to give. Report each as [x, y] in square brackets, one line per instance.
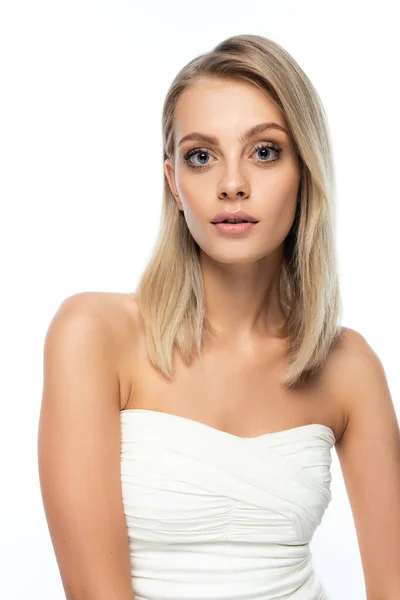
[170, 290]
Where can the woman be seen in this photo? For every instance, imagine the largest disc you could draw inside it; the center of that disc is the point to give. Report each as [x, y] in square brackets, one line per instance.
[186, 430]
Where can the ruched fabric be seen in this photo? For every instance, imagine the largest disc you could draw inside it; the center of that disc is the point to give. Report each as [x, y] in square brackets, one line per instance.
[214, 516]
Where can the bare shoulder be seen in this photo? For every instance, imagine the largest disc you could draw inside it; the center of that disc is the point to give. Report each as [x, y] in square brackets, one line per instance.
[111, 316]
[82, 309]
[120, 317]
[359, 382]
[369, 455]
[111, 310]
[98, 303]
[79, 447]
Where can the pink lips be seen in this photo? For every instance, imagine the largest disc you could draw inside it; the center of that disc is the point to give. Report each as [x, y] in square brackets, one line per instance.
[238, 214]
[234, 228]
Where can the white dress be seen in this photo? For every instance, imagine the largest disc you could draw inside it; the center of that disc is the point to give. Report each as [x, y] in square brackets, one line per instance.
[214, 516]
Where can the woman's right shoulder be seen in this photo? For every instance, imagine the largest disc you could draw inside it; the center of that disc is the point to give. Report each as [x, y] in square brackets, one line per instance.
[95, 320]
[111, 313]
[80, 345]
[79, 447]
[95, 304]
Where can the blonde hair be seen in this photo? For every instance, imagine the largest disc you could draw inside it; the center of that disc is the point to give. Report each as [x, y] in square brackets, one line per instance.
[170, 290]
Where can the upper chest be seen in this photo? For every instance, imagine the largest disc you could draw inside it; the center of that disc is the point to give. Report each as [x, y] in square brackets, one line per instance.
[235, 389]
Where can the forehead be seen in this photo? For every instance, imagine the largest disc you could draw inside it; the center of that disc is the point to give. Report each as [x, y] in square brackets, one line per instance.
[218, 106]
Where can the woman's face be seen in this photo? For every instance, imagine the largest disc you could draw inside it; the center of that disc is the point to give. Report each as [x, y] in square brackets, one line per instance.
[259, 174]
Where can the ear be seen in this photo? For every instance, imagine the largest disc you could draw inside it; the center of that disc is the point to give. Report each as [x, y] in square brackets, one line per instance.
[170, 175]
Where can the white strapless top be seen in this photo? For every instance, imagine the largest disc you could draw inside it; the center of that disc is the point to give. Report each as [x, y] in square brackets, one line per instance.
[214, 516]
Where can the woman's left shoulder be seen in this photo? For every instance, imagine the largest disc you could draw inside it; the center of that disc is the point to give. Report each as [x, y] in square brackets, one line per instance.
[369, 456]
[355, 380]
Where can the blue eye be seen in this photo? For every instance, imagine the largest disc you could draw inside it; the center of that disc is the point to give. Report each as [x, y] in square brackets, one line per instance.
[193, 153]
[261, 147]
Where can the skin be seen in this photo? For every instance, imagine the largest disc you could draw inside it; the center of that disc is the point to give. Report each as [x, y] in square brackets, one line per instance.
[241, 277]
[240, 274]
[88, 369]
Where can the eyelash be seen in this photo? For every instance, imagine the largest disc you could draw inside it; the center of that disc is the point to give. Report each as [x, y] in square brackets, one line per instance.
[260, 146]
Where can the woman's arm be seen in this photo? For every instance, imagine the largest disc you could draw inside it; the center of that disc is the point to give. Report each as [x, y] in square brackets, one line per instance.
[369, 454]
[79, 452]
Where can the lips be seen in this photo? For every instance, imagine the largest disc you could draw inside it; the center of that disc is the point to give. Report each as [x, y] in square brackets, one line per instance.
[234, 229]
[238, 215]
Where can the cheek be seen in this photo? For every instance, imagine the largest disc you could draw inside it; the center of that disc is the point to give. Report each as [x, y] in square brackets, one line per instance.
[196, 198]
[284, 218]
[282, 189]
[197, 223]
[280, 212]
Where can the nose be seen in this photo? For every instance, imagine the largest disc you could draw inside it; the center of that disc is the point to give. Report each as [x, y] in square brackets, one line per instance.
[233, 186]
[233, 183]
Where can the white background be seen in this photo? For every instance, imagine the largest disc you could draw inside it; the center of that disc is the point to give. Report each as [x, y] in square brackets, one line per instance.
[82, 87]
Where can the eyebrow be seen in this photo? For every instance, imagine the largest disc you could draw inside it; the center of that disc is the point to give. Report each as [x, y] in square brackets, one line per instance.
[209, 139]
